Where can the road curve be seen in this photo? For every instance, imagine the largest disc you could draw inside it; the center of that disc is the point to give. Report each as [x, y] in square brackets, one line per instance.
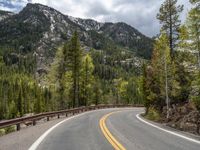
[84, 133]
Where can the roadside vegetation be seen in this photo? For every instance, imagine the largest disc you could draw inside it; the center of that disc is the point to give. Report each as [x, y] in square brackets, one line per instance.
[171, 79]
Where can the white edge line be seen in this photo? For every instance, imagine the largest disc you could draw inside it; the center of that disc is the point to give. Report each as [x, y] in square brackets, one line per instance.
[170, 132]
[42, 137]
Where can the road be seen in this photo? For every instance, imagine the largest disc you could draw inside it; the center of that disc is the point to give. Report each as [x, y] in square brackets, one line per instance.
[84, 133]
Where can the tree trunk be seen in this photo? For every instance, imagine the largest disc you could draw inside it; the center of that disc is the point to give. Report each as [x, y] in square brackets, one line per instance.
[171, 31]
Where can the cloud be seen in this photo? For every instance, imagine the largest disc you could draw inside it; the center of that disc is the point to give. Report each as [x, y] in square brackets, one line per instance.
[12, 5]
[141, 14]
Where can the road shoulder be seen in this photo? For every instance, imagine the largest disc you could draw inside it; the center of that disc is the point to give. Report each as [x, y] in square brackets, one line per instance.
[23, 139]
[185, 135]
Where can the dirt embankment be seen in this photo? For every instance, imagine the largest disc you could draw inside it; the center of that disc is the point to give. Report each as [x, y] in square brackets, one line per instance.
[183, 117]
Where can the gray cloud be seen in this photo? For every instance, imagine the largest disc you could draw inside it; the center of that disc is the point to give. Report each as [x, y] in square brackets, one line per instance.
[12, 5]
[96, 9]
[141, 14]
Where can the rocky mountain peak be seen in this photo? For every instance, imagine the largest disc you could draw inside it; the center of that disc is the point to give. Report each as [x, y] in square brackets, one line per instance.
[87, 24]
[5, 14]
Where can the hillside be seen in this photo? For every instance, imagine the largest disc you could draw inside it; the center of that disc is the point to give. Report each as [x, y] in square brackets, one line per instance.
[45, 56]
[40, 30]
[5, 14]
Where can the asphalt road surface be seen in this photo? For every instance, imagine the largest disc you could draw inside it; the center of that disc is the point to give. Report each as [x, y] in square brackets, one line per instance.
[84, 133]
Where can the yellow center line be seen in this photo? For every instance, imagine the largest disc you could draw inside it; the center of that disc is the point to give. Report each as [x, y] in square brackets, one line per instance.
[108, 135]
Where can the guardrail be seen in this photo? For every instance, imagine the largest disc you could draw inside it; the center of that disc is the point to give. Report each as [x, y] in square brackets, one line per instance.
[48, 115]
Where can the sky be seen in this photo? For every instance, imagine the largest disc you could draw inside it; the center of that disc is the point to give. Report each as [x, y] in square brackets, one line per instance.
[140, 14]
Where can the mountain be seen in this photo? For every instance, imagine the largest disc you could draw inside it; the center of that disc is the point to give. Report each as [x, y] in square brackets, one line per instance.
[5, 14]
[40, 30]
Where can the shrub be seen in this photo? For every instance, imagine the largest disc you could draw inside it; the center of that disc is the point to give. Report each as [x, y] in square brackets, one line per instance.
[2, 132]
[153, 114]
[196, 101]
[10, 129]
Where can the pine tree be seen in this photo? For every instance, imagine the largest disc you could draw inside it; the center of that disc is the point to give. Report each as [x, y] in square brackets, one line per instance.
[157, 75]
[56, 77]
[97, 92]
[87, 79]
[170, 21]
[75, 59]
[182, 74]
[20, 103]
[66, 73]
[193, 22]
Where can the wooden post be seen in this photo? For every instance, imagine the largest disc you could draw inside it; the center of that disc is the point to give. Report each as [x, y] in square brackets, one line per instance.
[34, 122]
[18, 126]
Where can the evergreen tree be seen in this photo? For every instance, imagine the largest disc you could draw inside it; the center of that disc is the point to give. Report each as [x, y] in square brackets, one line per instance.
[193, 22]
[56, 78]
[74, 56]
[157, 75]
[170, 21]
[182, 73]
[87, 79]
[97, 92]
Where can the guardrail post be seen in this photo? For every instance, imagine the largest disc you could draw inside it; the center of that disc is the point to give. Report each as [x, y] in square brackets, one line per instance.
[66, 114]
[34, 122]
[18, 126]
[58, 116]
[48, 118]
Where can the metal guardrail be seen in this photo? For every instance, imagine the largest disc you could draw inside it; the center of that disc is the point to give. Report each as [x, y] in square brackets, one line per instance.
[48, 115]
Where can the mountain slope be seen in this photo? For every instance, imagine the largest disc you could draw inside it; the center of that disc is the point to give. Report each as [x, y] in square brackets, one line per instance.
[5, 14]
[40, 30]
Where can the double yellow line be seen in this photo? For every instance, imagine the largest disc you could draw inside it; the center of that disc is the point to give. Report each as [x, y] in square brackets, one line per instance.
[108, 135]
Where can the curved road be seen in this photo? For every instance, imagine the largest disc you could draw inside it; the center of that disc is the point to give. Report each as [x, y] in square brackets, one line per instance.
[84, 133]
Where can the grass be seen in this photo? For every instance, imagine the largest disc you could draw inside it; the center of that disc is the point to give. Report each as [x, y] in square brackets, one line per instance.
[153, 114]
[7, 130]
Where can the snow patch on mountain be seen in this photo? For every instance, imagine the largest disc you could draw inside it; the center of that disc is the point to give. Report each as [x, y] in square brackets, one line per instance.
[87, 24]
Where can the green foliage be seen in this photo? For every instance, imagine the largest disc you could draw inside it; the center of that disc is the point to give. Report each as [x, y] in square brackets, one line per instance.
[177, 77]
[193, 25]
[75, 79]
[153, 114]
[86, 81]
[169, 17]
[195, 94]
[196, 101]
[2, 132]
[97, 99]
[18, 90]
[183, 78]
[10, 129]
[72, 75]
[7, 130]
[176, 82]
[155, 76]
